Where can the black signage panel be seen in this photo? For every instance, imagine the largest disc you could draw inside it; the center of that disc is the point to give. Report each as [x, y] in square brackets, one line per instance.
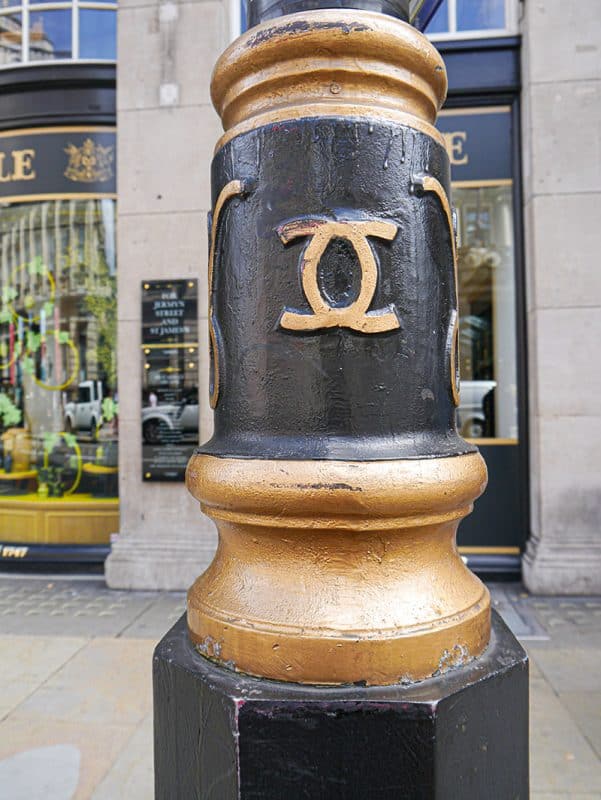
[478, 142]
[169, 312]
[47, 163]
[169, 377]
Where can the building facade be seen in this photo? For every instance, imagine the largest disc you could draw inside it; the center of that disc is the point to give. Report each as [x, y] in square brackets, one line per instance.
[129, 334]
[59, 476]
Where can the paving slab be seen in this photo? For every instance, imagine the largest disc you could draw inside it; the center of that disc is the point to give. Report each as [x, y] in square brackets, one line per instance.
[67, 607]
[562, 760]
[568, 619]
[573, 669]
[533, 669]
[131, 777]
[156, 620]
[40, 759]
[27, 661]
[563, 796]
[109, 681]
[585, 710]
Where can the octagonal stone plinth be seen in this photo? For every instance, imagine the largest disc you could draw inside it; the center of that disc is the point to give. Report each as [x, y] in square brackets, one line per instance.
[220, 735]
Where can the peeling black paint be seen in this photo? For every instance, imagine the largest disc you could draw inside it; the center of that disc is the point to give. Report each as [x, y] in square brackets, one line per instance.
[300, 26]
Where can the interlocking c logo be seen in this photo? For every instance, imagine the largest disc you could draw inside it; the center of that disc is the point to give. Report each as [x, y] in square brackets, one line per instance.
[355, 315]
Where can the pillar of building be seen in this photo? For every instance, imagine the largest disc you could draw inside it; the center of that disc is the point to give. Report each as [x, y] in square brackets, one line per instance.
[167, 130]
[562, 195]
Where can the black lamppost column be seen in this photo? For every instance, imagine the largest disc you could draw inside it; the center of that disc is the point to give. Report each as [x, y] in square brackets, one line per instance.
[337, 646]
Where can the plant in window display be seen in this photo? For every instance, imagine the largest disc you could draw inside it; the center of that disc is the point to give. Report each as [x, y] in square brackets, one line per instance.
[29, 313]
[109, 433]
[101, 303]
[34, 354]
[61, 470]
[10, 417]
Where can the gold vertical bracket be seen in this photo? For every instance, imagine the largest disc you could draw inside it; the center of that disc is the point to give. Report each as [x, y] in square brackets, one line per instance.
[428, 183]
[235, 188]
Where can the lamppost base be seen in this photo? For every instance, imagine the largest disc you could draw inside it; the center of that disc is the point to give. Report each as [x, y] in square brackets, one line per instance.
[221, 735]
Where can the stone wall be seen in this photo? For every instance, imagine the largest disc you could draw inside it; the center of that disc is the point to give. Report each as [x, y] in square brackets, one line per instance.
[167, 131]
[562, 194]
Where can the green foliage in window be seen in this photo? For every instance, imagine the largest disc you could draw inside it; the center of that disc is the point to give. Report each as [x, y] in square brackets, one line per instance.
[36, 266]
[101, 302]
[10, 415]
[110, 409]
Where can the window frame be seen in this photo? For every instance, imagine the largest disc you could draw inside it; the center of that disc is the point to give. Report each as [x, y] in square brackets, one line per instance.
[25, 9]
[511, 25]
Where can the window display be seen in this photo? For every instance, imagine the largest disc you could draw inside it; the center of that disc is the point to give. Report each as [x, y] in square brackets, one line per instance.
[58, 371]
[487, 338]
[484, 220]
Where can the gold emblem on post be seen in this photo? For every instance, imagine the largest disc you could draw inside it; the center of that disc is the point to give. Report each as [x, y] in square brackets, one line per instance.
[356, 315]
[90, 163]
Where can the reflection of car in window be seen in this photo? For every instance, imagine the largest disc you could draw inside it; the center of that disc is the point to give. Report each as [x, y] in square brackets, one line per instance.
[86, 412]
[471, 416]
[171, 420]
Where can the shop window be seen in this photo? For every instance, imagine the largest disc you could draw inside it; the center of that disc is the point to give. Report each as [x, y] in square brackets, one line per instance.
[58, 371]
[97, 34]
[487, 311]
[484, 206]
[50, 35]
[485, 15]
[66, 31]
[440, 21]
[11, 38]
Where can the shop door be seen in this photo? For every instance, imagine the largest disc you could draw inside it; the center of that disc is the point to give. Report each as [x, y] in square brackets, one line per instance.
[480, 145]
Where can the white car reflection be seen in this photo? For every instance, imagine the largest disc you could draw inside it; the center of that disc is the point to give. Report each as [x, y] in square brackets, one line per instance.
[471, 417]
[166, 422]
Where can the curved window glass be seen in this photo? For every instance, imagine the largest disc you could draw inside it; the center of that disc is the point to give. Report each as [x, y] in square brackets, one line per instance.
[58, 371]
[31, 32]
[482, 192]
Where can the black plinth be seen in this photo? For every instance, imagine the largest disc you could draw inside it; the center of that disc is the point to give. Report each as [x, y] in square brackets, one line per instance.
[224, 736]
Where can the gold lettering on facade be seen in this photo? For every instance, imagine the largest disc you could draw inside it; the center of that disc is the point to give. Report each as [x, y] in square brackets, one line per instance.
[12, 551]
[430, 184]
[23, 165]
[4, 178]
[455, 143]
[356, 315]
[19, 167]
[90, 163]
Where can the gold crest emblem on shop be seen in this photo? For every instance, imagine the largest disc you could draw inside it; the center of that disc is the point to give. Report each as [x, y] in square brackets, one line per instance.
[90, 163]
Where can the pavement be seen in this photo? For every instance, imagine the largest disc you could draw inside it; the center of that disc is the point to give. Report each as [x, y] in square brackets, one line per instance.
[76, 705]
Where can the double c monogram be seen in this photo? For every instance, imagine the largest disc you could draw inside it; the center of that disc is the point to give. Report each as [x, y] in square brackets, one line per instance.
[355, 315]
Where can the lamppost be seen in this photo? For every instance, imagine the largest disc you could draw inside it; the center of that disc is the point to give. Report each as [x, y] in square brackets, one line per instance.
[337, 619]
